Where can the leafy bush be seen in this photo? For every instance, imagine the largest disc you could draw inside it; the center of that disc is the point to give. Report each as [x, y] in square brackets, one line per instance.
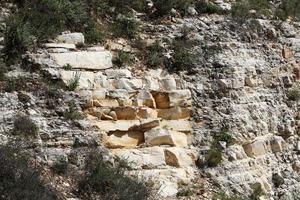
[60, 167]
[241, 9]
[3, 69]
[126, 27]
[277, 180]
[257, 191]
[154, 55]
[72, 113]
[104, 181]
[294, 95]
[289, 8]
[122, 58]
[23, 125]
[67, 67]
[74, 82]
[214, 157]
[182, 56]
[15, 84]
[17, 180]
[163, 7]
[224, 196]
[224, 137]
[203, 6]
[24, 98]
[37, 20]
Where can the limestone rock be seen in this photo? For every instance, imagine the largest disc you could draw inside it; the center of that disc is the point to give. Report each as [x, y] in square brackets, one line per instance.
[124, 139]
[144, 98]
[174, 113]
[146, 158]
[120, 125]
[60, 45]
[179, 157]
[106, 103]
[147, 113]
[126, 113]
[83, 60]
[176, 125]
[118, 73]
[157, 137]
[85, 79]
[71, 38]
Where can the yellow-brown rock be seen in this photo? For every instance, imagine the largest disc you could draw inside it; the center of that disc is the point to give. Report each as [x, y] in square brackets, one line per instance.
[179, 157]
[174, 113]
[157, 137]
[123, 139]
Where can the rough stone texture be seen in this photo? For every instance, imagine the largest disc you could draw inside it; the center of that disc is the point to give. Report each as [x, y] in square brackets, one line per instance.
[71, 38]
[84, 59]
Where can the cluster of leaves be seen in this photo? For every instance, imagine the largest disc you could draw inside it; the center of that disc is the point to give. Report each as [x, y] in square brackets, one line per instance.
[182, 56]
[214, 156]
[122, 58]
[72, 113]
[126, 27]
[17, 180]
[293, 95]
[224, 196]
[25, 126]
[106, 181]
[163, 7]
[289, 8]
[241, 10]
[60, 167]
[74, 82]
[37, 20]
[203, 6]
[154, 55]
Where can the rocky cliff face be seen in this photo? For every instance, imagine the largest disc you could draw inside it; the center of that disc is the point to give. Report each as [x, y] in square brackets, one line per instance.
[246, 79]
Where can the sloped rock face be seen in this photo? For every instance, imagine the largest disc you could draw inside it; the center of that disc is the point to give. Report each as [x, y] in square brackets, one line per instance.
[245, 84]
[142, 119]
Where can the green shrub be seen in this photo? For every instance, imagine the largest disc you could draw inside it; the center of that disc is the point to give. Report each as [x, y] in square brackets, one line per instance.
[224, 137]
[74, 82]
[289, 8]
[257, 191]
[24, 98]
[203, 6]
[67, 67]
[126, 27]
[163, 7]
[122, 58]
[72, 112]
[38, 20]
[293, 95]
[25, 126]
[277, 180]
[154, 55]
[104, 181]
[214, 157]
[15, 84]
[17, 180]
[3, 69]
[60, 167]
[182, 56]
[241, 9]
[224, 196]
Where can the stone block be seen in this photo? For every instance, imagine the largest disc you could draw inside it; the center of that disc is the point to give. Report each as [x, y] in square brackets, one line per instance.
[83, 59]
[158, 136]
[145, 158]
[124, 139]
